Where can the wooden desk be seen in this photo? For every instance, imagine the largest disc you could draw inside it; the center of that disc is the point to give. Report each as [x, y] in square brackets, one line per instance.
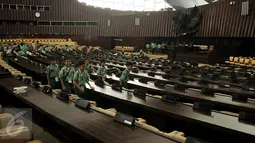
[218, 100]
[40, 60]
[94, 126]
[5, 74]
[217, 121]
[32, 68]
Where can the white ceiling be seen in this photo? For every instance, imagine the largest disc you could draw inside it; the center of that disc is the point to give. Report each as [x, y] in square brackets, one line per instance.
[187, 3]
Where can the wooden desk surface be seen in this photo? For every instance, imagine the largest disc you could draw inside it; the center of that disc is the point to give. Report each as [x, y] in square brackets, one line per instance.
[216, 88]
[160, 73]
[179, 111]
[24, 64]
[93, 125]
[40, 60]
[226, 101]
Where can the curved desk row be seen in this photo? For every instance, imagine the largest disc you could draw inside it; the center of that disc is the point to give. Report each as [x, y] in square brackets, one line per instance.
[195, 96]
[94, 126]
[217, 100]
[185, 113]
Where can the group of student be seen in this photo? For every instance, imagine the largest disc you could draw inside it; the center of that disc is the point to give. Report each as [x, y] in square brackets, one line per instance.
[153, 48]
[74, 81]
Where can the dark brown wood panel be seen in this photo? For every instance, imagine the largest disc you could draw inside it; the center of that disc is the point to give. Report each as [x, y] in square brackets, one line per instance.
[219, 19]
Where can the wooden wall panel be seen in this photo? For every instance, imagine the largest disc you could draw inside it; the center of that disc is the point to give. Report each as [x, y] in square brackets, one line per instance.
[219, 19]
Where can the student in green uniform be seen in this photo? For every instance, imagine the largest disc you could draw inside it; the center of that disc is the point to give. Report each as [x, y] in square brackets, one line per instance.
[125, 75]
[101, 69]
[66, 76]
[158, 48]
[52, 72]
[88, 66]
[1, 45]
[23, 49]
[141, 53]
[81, 77]
[153, 47]
[148, 48]
[123, 51]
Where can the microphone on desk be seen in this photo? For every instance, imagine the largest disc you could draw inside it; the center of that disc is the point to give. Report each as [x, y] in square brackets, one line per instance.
[139, 92]
[159, 84]
[204, 107]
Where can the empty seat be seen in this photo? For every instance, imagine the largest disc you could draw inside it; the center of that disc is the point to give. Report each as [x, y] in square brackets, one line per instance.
[247, 61]
[253, 63]
[236, 60]
[5, 118]
[15, 134]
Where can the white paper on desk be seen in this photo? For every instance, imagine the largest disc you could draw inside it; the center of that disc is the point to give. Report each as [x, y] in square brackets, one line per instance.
[20, 88]
[20, 91]
[251, 89]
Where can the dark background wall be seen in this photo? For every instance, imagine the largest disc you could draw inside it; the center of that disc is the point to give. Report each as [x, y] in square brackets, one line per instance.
[220, 19]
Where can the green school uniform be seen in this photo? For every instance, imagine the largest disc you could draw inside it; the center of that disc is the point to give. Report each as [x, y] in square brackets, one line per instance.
[125, 77]
[52, 71]
[82, 77]
[66, 74]
[89, 68]
[159, 48]
[123, 51]
[23, 50]
[101, 70]
[1, 45]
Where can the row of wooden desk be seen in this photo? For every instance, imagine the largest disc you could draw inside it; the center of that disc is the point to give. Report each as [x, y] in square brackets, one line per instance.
[101, 128]
[158, 76]
[217, 121]
[234, 88]
[215, 88]
[218, 100]
[94, 126]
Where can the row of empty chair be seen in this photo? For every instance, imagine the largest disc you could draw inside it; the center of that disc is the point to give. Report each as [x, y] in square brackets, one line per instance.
[241, 61]
[126, 48]
[30, 40]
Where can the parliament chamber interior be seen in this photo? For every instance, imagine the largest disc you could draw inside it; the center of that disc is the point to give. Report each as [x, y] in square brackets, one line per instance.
[127, 71]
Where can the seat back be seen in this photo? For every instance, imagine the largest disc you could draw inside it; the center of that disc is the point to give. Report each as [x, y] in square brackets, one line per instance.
[4, 119]
[241, 60]
[246, 61]
[253, 62]
[231, 58]
[236, 59]
[15, 134]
